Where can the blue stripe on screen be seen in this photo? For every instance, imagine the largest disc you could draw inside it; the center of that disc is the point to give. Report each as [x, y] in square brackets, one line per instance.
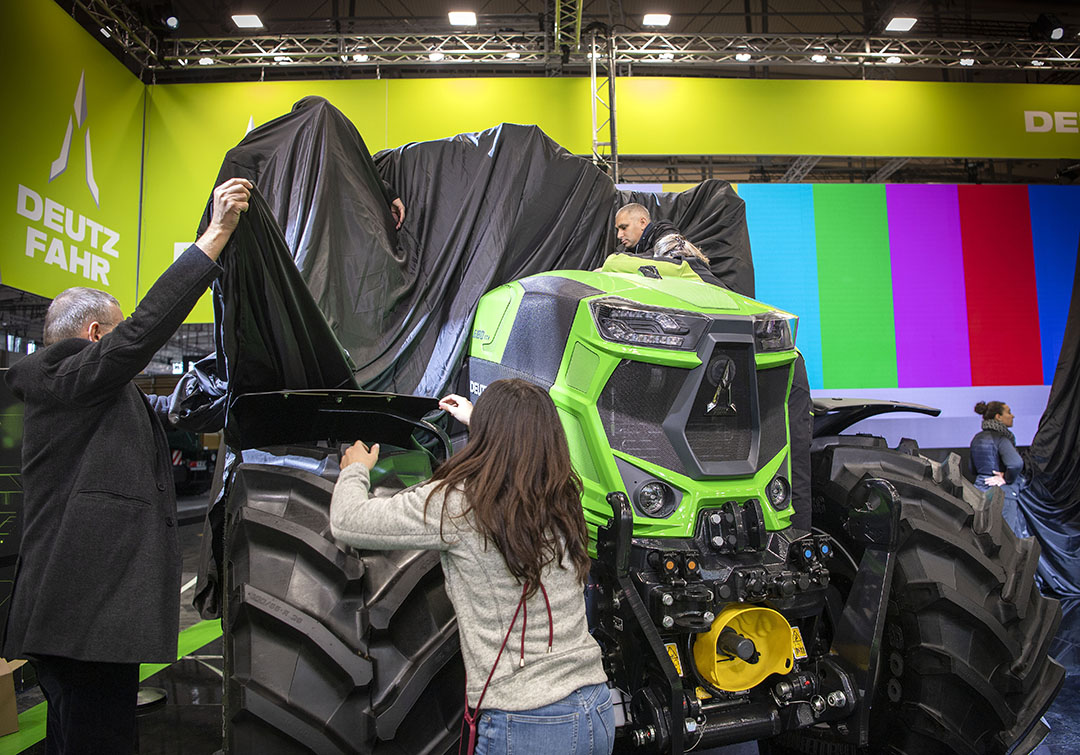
[1055, 232]
[780, 220]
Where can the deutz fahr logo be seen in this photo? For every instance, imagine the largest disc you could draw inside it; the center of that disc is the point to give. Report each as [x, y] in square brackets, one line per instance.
[53, 227]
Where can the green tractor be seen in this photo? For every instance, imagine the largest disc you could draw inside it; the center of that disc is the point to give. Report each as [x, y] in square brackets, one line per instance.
[906, 621]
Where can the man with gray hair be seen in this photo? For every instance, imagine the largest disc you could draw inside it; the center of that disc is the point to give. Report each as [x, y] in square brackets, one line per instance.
[97, 589]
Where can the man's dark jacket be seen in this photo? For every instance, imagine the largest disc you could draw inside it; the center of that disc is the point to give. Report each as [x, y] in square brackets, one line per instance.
[98, 576]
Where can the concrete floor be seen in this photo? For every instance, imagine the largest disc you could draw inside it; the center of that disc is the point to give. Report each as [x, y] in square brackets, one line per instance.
[191, 720]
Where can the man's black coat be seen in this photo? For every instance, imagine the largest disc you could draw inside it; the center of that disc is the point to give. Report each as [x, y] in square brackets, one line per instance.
[99, 565]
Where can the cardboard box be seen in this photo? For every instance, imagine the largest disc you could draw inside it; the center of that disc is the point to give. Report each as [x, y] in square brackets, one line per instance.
[9, 714]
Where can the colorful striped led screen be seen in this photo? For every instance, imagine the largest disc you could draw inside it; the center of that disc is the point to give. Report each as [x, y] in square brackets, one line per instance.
[912, 286]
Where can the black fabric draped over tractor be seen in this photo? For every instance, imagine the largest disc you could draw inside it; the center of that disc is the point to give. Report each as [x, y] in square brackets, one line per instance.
[321, 291]
[482, 209]
[1051, 500]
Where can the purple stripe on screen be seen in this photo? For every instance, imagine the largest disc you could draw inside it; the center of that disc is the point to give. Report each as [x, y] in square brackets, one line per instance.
[929, 303]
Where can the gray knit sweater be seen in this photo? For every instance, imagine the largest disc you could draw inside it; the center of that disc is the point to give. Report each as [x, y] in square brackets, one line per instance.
[483, 592]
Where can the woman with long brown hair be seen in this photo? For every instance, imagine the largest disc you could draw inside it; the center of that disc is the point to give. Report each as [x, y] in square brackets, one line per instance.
[505, 513]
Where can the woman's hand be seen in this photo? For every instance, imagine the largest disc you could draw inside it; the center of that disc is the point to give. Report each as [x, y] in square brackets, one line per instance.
[358, 452]
[997, 479]
[458, 407]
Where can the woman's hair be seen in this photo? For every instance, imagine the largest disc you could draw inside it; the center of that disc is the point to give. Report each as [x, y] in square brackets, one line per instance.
[989, 409]
[519, 485]
[675, 245]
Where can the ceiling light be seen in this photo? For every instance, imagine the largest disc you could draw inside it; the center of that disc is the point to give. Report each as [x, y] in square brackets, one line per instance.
[247, 21]
[462, 18]
[742, 57]
[182, 61]
[967, 61]
[901, 23]
[206, 61]
[360, 57]
[105, 33]
[656, 19]
[435, 57]
[282, 59]
[172, 22]
[892, 60]
[512, 55]
[818, 58]
[667, 56]
[1037, 63]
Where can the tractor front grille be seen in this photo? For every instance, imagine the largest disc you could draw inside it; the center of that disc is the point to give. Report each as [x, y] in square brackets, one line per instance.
[720, 425]
[633, 406]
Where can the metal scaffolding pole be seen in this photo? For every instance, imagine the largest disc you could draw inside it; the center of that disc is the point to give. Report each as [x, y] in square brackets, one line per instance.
[605, 153]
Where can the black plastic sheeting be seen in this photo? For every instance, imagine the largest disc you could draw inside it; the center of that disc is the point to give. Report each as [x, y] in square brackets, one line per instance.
[1051, 500]
[482, 209]
[713, 217]
[319, 288]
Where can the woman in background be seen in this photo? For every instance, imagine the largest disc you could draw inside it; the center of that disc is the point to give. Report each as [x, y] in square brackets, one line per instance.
[996, 461]
[505, 513]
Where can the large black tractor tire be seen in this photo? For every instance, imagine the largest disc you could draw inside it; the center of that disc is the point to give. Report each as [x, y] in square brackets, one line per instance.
[965, 664]
[329, 649]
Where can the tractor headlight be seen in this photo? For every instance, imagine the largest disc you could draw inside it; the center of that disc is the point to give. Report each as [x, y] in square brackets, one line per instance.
[655, 499]
[635, 324]
[778, 492]
[775, 331]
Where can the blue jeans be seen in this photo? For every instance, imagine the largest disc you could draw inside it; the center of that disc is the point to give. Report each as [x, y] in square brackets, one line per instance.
[582, 723]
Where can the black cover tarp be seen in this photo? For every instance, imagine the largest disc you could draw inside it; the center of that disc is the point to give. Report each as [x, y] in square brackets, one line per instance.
[712, 216]
[481, 210]
[317, 266]
[1051, 500]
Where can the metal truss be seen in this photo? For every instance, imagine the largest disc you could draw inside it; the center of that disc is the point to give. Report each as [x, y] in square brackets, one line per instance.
[799, 167]
[515, 48]
[800, 50]
[705, 51]
[605, 153]
[567, 23]
[118, 23]
[561, 44]
[882, 174]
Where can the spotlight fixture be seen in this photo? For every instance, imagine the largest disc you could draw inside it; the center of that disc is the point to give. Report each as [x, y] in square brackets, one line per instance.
[172, 22]
[892, 60]
[105, 33]
[247, 21]
[182, 61]
[206, 61]
[360, 57]
[435, 57]
[1047, 27]
[967, 61]
[512, 55]
[1038, 63]
[819, 58]
[656, 19]
[462, 18]
[283, 59]
[901, 23]
[742, 57]
[666, 56]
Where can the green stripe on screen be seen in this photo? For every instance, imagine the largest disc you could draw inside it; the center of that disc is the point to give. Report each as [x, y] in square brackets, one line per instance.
[32, 721]
[858, 341]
